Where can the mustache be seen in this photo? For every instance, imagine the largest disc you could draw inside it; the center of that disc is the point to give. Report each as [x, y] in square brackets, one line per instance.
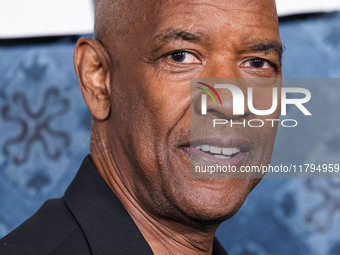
[184, 136]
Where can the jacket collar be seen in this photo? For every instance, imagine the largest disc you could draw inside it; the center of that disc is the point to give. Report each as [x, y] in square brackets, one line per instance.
[107, 226]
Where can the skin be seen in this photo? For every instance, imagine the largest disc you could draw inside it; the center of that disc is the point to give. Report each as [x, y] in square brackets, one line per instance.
[139, 97]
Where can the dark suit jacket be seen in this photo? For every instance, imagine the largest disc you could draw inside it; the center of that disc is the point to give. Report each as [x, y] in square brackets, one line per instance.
[88, 219]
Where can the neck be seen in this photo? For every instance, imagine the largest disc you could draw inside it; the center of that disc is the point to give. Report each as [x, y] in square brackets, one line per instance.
[164, 236]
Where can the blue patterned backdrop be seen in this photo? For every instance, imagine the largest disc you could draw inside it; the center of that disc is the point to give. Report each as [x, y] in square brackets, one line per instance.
[45, 128]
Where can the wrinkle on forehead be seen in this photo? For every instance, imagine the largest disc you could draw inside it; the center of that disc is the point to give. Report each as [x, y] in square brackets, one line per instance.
[263, 7]
[120, 15]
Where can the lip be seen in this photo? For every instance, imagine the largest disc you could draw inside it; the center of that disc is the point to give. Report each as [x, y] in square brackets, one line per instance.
[207, 158]
[230, 142]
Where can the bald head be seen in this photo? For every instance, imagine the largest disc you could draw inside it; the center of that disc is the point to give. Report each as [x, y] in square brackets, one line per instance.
[108, 16]
[115, 19]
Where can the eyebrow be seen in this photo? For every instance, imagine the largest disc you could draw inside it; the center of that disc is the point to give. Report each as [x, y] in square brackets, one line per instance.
[162, 39]
[176, 34]
[268, 47]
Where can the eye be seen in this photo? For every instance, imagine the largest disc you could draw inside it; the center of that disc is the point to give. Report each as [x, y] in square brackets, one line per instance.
[258, 63]
[183, 57]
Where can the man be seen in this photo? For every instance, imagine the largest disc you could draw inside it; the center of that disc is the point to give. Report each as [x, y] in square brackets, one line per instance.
[134, 194]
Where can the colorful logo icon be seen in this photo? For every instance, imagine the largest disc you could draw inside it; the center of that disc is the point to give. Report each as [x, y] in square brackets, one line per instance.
[209, 93]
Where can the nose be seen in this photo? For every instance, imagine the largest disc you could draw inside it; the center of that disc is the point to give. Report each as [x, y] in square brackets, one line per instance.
[224, 94]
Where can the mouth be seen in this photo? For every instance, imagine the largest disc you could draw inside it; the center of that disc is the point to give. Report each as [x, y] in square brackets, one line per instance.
[231, 151]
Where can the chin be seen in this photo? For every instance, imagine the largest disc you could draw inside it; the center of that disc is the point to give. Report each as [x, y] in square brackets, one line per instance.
[212, 202]
[207, 215]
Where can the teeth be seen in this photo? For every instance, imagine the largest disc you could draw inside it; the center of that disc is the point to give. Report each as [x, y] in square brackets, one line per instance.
[218, 150]
[227, 151]
[215, 150]
[235, 150]
[205, 147]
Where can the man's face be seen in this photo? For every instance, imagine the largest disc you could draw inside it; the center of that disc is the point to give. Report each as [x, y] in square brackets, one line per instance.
[150, 115]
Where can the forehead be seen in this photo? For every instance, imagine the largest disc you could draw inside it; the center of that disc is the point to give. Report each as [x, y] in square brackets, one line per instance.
[228, 13]
[252, 6]
[240, 20]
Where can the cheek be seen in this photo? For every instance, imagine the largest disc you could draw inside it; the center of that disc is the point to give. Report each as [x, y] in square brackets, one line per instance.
[145, 113]
[264, 97]
[265, 144]
[165, 99]
[263, 139]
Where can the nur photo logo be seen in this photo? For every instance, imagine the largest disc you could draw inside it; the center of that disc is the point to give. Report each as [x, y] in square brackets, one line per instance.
[240, 101]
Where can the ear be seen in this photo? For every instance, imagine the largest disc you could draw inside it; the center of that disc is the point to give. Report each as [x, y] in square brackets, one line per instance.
[91, 63]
